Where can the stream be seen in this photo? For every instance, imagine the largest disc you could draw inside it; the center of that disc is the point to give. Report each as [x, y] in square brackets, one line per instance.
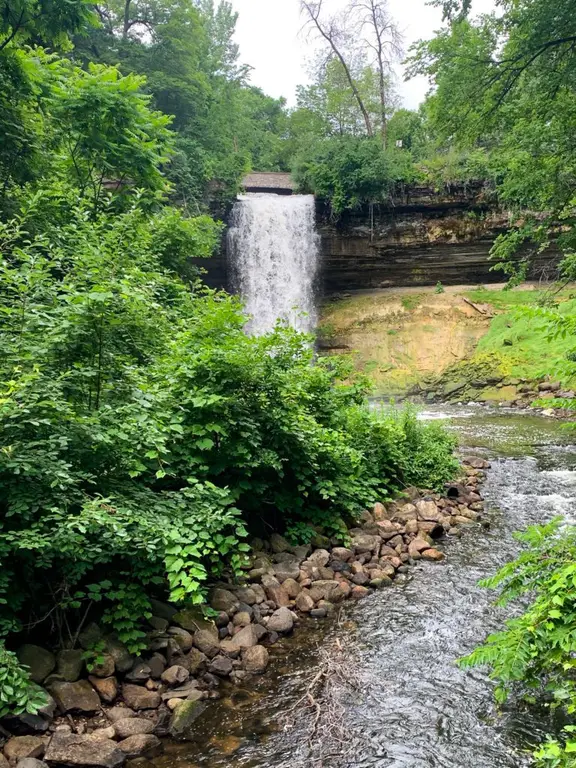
[411, 705]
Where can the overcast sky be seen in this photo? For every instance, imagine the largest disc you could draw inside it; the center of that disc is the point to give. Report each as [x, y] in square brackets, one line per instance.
[268, 34]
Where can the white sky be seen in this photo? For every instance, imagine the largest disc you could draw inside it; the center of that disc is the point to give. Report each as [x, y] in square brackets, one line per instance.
[268, 34]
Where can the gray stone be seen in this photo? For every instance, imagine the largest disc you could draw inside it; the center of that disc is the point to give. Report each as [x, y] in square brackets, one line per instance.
[192, 619]
[130, 726]
[246, 638]
[90, 636]
[161, 625]
[75, 697]
[287, 570]
[72, 749]
[363, 542]
[157, 664]
[255, 660]
[279, 543]
[427, 510]
[184, 716]
[221, 666]
[39, 661]
[318, 558]
[292, 587]
[139, 673]
[163, 610]
[119, 713]
[123, 660]
[322, 589]
[224, 600]
[342, 553]
[69, 664]
[175, 675]
[189, 691]
[29, 762]
[281, 621]
[207, 642]
[193, 660]
[182, 637]
[139, 698]
[318, 613]
[103, 733]
[304, 602]
[141, 745]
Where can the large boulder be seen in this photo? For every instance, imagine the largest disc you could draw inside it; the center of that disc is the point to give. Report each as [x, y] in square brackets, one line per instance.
[123, 660]
[207, 642]
[139, 698]
[39, 661]
[70, 749]
[75, 697]
[19, 747]
[364, 542]
[255, 659]
[175, 675]
[322, 589]
[289, 569]
[223, 600]
[279, 543]
[130, 726]
[107, 687]
[281, 621]
[69, 664]
[184, 716]
[193, 660]
[428, 511]
[141, 745]
[246, 638]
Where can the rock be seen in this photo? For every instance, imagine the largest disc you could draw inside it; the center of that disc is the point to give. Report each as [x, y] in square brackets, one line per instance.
[379, 512]
[131, 726]
[175, 675]
[380, 581]
[105, 668]
[139, 673]
[276, 592]
[241, 619]
[387, 529]
[359, 592]
[39, 661]
[19, 747]
[247, 595]
[428, 511]
[319, 558]
[363, 542]
[221, 666]
[451, 387]
[281, 621]
[106, 687]
[72, 749]
[292, 588]
[157, 664]
[119, 713]
[255, 660]
[476, 462]
[279, 544]
[433, 554]
[224, 600]
[342, 553]
[141, 745]
[418, 545]
[246, 638]
[182, 637]
[69, 664]
[405, 513]
[193, 661]
[206, 642]
[184, 716]
[103, 733]
[304, 602]
[318, 613]
[25, 762]
[90, 636]
[75, 697]
[157, 623]
[360, 578]
[123, 660]
[163, 610]
[139, 698]
[322, 589]
[190, 692]
[287, 570]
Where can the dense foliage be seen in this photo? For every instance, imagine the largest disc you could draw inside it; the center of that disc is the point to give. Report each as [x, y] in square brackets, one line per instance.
[535, 652]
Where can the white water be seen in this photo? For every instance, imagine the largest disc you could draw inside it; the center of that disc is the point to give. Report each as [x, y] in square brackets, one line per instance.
[273, 247]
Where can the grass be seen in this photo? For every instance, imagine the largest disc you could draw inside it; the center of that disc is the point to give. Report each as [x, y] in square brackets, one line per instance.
[411, 301]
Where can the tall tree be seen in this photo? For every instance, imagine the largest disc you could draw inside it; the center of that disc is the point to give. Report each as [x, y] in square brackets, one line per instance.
[333, 31]
[381, 35]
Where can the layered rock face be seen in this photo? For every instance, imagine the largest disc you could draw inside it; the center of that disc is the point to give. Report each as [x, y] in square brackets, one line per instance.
[419, 239]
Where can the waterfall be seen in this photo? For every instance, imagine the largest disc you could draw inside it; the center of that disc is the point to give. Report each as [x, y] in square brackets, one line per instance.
[273, 249]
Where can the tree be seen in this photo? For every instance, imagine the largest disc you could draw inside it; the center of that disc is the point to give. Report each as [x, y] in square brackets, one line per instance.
[336, 37]
[373, 20]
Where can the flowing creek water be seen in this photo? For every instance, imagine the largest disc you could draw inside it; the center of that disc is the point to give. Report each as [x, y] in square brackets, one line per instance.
[412, 707]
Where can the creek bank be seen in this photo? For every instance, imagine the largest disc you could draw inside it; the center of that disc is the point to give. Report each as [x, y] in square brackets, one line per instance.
[123, 707]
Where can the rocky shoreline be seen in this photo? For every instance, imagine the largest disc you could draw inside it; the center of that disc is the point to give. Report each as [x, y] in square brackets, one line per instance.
[119, 709]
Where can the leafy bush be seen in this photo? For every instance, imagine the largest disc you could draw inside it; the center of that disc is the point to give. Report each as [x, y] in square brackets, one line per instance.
[17, 693]
[143, 432]
[536, 651]
[350, 171]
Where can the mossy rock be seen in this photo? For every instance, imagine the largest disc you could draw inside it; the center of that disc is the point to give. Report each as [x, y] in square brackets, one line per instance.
[499, 395]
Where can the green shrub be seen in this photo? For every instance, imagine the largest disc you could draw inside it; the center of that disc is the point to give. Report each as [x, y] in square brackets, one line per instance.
[535, 654]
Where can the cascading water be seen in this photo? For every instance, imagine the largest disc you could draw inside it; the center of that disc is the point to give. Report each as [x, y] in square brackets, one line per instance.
[273, 247]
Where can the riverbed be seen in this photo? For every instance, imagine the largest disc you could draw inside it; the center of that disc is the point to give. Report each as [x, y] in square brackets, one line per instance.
[406, 703]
